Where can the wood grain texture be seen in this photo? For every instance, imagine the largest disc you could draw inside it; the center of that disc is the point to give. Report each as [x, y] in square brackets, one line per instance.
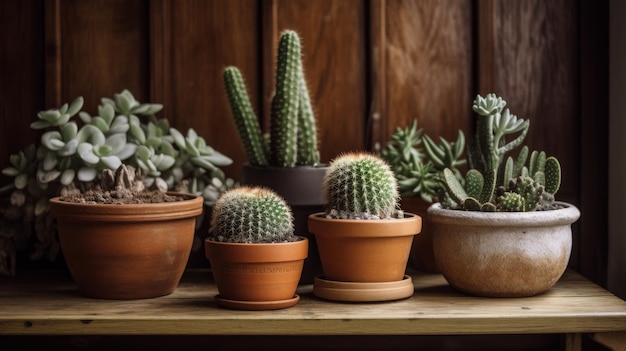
[428, 66]
[104, 49]
[47, 305]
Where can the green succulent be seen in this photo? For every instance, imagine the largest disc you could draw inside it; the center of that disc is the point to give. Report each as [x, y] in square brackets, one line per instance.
[497, 184]
[418, 161]
[292, 137]
[360, 185]
[251, 215]
[73, 152]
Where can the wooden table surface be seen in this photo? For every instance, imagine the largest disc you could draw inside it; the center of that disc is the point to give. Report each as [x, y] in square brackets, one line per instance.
[50, 304]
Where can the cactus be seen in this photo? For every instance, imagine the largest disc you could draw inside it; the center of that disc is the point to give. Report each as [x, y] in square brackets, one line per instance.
[293, 135]
[251, 215]
[493, 184]
[361, 185]
[419, 170]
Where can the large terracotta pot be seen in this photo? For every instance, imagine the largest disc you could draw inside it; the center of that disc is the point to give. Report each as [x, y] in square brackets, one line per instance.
[130, 251]
[502, 254]
[301, 187]
[257, 276]
[364, 251]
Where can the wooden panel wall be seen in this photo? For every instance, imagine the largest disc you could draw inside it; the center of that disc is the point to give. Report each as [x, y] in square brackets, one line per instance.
[372, 65]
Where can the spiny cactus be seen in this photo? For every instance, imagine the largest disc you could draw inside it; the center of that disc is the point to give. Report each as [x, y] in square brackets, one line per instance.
[491, 182]
[293, 135]
[361, 185]
[250, 215]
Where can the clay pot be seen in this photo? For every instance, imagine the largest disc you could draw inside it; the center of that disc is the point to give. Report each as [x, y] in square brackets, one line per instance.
[130, 251]
[363, 251]
[257, 276]
[301, 187]
[422, 255]
[502, 254]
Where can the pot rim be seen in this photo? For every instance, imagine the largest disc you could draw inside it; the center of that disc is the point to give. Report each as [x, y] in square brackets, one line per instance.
[566, 215]
[244, 252]
[410, 225]
[191, 206]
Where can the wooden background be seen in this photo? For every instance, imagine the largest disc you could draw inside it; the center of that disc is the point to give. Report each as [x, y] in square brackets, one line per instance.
[372, 66]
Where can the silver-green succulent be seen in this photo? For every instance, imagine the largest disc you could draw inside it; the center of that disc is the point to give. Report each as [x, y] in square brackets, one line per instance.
[72, 153]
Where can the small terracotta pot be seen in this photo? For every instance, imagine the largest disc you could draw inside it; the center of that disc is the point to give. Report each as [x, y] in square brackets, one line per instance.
[364, 250]
[257, 276]
[422, 254]
[130, 251]
[502, 254]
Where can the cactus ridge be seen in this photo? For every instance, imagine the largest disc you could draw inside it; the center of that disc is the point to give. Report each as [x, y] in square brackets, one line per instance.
[361, 185]
[251, 214]
[308, 153]
[285, 104]
[245, 119]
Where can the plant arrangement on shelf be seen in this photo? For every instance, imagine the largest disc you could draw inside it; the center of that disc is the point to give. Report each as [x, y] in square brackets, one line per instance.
[418, 163]
[256, 258]
[287, 158]
[499, 231]
[364, 237]
[121, 240]
[72, 153]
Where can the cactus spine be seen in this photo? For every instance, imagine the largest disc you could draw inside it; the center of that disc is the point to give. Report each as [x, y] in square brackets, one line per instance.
[251, 214]
[361, 185]
[292, 135]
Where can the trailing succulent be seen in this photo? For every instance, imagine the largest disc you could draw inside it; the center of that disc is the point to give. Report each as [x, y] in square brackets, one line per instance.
[292, 137]
[72, 153]
[418, 161]
[361, 186]
[251, 215]
[493, 184]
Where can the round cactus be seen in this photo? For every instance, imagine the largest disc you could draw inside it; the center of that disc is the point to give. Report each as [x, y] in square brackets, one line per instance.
[251, 214]
[361, 185]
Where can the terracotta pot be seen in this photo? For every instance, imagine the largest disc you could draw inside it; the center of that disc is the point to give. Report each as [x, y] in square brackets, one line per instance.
[301, 187]
[422, 255]
[257, 276]
[502, 254]
[363, 251]
[132, 251]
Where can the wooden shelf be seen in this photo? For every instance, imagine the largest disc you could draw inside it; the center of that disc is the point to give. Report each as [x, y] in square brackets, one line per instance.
[50, 304]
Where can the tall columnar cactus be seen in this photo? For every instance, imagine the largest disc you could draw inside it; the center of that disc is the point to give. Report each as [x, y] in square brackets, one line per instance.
[361, 185]
[293, 135]
[523, 184]
[250, 215]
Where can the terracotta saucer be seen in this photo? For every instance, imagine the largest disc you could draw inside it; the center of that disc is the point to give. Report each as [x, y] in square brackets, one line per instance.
[257, 305]
[363, 292]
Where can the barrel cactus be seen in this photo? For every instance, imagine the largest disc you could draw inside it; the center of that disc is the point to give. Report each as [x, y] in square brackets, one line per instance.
[251, 215]
[292, 137]
[361, 186]
[497, 184]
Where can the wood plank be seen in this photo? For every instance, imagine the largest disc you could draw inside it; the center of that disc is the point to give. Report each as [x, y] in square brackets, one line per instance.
[48, 304]
[428, 66]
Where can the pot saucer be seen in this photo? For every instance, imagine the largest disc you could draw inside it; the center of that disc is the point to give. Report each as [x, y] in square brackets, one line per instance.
[257, 305]
[363, 292]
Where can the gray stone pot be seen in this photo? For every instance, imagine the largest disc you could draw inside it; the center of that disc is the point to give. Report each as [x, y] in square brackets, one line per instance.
[502, 254]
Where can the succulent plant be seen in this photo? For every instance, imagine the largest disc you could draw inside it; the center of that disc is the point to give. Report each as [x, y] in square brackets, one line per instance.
[73, 152]
[361, 185]
[293, 135]
[493, 184]
[251, 215]
[418, 161]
